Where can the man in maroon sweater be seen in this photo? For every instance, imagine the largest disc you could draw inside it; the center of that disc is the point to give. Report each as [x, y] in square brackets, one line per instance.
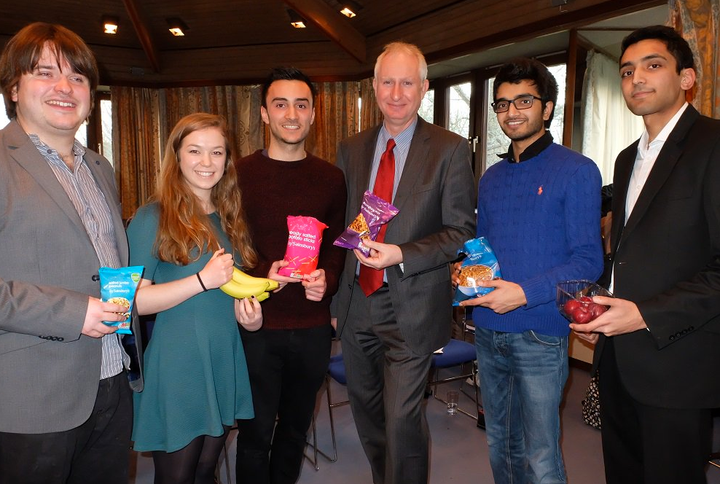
[287, 358]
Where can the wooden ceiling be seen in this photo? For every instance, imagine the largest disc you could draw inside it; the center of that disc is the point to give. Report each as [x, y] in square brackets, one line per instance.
[238, 41]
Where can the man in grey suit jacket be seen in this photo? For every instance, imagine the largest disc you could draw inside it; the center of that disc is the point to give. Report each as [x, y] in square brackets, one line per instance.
[388, 336]
[66, 407]
[658, 352]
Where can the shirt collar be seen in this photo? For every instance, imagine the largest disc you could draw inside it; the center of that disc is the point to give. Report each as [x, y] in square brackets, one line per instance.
[531, 151]
[402, 140]
[662, 136]
[49, 152]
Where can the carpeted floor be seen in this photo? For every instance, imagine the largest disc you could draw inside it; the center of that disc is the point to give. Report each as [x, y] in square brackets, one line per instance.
[458, 448]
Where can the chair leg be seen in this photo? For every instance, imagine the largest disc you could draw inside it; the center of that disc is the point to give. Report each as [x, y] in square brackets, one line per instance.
[313, 427]
[334, 458]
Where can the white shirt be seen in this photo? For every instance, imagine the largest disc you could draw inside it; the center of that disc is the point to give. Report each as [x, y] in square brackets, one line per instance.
[647, 153]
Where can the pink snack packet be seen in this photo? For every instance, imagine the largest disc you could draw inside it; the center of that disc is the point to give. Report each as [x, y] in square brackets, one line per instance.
[374, 213]
[303, 247]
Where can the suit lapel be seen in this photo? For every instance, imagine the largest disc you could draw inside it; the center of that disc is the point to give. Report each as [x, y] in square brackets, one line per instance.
[621, 181]
[362, 169]
[26, 154]
[663, 167]
[414, 162]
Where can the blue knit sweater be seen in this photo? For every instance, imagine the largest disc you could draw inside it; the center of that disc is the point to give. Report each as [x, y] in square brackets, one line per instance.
[542, 218]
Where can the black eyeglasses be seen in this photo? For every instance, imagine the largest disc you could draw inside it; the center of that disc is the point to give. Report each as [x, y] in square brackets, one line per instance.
[521, 102]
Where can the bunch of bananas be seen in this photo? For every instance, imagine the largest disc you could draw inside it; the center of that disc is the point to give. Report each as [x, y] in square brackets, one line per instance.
[243, 285]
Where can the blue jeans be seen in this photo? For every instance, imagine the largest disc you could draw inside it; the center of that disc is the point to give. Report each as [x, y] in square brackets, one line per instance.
[522, 376]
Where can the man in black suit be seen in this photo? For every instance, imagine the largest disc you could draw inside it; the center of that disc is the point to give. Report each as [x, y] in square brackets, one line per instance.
[658, 352]
[394, 308]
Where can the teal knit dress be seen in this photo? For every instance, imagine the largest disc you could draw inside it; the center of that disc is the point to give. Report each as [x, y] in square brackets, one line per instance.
[196, 377]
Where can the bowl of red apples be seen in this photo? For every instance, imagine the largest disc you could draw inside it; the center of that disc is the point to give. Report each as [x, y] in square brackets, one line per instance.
[574, 300]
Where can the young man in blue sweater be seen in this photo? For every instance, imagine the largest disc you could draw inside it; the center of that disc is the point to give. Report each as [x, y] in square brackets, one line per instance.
[539, 208]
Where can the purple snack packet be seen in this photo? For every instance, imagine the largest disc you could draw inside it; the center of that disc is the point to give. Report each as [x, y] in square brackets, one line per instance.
[374, 213]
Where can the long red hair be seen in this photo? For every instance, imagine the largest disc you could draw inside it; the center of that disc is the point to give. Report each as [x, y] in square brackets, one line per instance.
[185, 231]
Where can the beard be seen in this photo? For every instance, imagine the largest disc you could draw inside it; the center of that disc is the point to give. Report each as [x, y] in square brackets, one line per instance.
[532, 128]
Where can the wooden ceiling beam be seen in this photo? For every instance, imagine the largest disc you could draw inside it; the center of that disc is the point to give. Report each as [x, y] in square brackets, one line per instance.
[143, 34]
[332, 24]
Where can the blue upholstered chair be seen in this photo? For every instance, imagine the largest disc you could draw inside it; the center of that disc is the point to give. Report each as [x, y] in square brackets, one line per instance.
[456, 353]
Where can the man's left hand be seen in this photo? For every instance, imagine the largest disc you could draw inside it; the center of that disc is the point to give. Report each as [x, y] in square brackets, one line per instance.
[506, 297]
[315, 285]
[381, 255]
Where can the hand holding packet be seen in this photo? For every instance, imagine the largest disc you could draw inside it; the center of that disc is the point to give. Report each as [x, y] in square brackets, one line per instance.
[374, 213]
[480, 264]
[118, 286]
[303, 247]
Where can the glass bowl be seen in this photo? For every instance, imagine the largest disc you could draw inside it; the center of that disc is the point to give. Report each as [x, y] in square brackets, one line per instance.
[580, 292]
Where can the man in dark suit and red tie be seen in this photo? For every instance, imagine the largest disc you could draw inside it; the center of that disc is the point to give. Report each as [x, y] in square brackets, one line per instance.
[658, 352]
[393, 308]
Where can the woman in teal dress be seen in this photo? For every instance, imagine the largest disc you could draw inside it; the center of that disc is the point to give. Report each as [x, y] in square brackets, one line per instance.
[188, 238]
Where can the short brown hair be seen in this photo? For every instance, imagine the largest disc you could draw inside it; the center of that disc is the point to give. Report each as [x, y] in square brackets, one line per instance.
[23, 51]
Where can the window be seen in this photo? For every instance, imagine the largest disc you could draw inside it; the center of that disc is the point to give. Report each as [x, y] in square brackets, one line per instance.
[496, 141]
[427, 106]
[3, 116]
[458, 120]
[106, 127]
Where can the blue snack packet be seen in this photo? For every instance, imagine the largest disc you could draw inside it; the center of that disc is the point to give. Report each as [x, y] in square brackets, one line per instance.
[479, 265]
[118, 286]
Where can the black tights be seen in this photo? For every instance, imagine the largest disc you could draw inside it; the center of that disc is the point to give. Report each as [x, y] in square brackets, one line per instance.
[193, 464]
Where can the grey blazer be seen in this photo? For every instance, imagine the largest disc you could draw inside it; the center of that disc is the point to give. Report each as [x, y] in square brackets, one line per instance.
[436, 199]
[49, 372]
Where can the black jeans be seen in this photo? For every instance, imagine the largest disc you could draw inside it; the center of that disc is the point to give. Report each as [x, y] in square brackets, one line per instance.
[287, 368]
[96, 452]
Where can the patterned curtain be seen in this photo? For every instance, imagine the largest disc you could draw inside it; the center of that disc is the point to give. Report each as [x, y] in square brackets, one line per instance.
[336, 117]
[699, 22]
[136, 144]
[240, 105]
[370, 114]
[143, 119]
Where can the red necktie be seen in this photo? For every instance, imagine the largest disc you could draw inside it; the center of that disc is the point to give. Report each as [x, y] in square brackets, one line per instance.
[371, 279]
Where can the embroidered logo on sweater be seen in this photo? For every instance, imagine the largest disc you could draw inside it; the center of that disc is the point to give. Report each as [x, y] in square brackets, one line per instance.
[540, 190]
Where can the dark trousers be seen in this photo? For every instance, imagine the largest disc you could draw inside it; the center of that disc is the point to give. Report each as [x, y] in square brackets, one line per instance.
[96, 452]
[646, 444]
[287, 368]
[386, 386]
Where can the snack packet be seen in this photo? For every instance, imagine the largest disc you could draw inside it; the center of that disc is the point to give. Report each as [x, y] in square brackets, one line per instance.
[118, 286]
[479, 265]
[303, 247]
[374, 213]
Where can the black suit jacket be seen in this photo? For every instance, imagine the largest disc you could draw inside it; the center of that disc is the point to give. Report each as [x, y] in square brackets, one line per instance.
[436, 199]
[667, 260]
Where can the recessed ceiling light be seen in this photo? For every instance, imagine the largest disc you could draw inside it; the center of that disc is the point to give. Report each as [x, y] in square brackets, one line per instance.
[110, 24]
[177, 27]
[296, 20]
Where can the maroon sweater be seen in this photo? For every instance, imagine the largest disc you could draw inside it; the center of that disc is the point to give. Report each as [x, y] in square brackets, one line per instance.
[272, 190]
